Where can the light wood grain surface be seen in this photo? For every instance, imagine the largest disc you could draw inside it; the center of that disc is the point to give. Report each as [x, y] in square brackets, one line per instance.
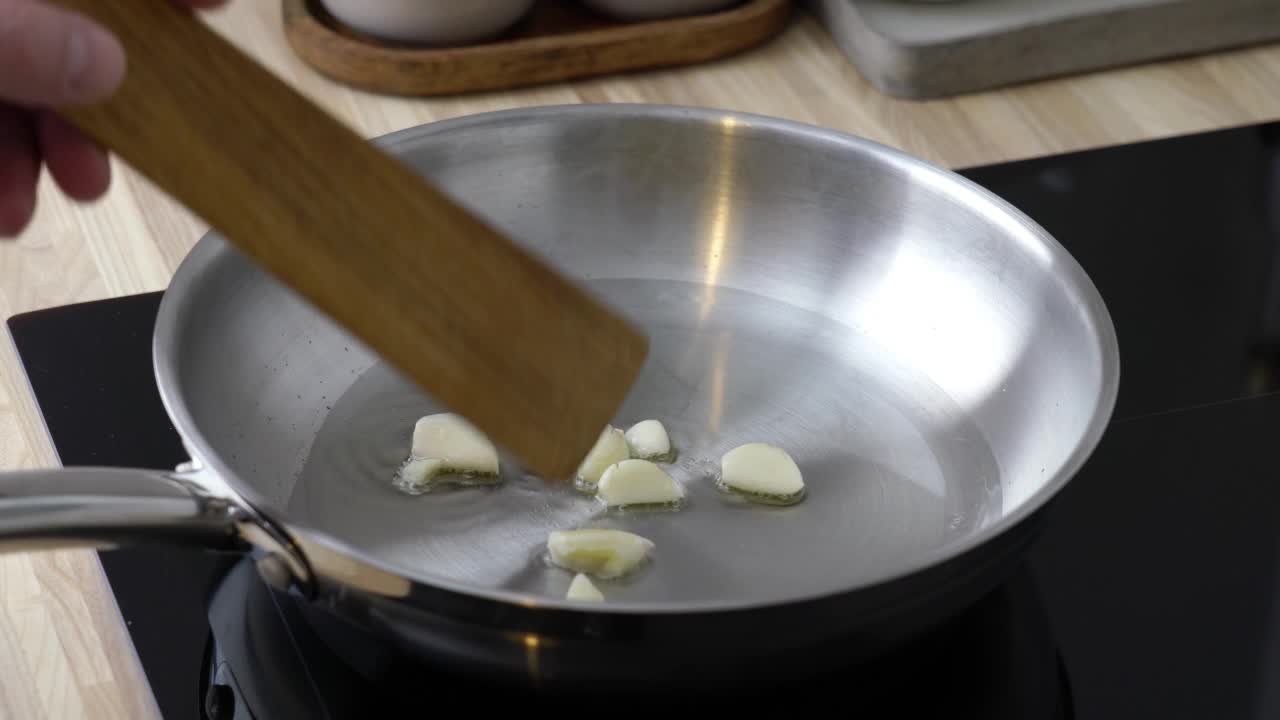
[64, 652]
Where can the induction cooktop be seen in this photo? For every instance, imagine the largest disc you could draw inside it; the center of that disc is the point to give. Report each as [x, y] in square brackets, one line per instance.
[1153, 591]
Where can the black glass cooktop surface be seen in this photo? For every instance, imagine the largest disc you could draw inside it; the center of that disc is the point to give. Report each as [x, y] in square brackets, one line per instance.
[1153, 592]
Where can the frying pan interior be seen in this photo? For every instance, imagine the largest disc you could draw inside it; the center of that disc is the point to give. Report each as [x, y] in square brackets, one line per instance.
[936, 364]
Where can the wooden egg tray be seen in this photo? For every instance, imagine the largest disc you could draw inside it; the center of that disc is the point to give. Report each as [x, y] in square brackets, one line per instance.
[559, 40]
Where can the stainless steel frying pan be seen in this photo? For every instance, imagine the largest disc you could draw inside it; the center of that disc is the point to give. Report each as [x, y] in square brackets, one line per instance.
[936, 363]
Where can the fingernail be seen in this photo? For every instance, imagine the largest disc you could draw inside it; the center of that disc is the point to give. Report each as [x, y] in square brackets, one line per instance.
[95, 63]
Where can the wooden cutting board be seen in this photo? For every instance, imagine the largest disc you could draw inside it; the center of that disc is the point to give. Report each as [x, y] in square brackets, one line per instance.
[936, 49]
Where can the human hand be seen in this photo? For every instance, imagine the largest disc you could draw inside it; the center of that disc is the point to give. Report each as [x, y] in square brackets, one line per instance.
[52, 58]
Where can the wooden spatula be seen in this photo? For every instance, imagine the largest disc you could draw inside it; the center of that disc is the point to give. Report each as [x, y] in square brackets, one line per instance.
[480, 324]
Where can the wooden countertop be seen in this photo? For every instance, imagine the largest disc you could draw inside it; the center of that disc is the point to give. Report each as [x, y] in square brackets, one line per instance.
[64, 652]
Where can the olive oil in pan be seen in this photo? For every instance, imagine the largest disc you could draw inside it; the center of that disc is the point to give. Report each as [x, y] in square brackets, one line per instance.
[881, 479]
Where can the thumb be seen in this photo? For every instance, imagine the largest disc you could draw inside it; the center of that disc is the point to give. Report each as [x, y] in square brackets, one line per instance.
[52, 57]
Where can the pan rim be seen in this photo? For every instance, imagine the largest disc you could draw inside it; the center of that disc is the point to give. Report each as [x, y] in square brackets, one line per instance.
[210, 248]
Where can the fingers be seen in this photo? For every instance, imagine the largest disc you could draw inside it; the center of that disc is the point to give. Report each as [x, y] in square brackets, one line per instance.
[51, 57]
[19, 170]
[77, 163]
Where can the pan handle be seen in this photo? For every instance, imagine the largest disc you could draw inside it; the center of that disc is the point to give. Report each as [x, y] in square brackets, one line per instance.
[105, 508]
[108, 507]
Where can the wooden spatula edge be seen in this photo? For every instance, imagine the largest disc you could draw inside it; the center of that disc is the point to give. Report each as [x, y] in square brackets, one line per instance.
[484, 326]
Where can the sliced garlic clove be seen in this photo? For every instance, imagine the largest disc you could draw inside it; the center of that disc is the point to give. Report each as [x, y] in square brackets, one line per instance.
[459, 446]
[610, 448]
[648, 440]
[762, 473]
[446, 446]
[601, 553]
[638, 482]
[584, 590]
[415, 475]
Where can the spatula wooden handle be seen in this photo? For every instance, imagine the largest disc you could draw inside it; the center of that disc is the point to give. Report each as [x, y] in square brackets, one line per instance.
[485, 327]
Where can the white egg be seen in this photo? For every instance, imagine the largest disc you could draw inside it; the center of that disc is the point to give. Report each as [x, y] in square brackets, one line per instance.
[583, 589]
[762, 472]
[648, 440]
[429, 22]
[638, 482]
[610, 447]
[601, 553]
